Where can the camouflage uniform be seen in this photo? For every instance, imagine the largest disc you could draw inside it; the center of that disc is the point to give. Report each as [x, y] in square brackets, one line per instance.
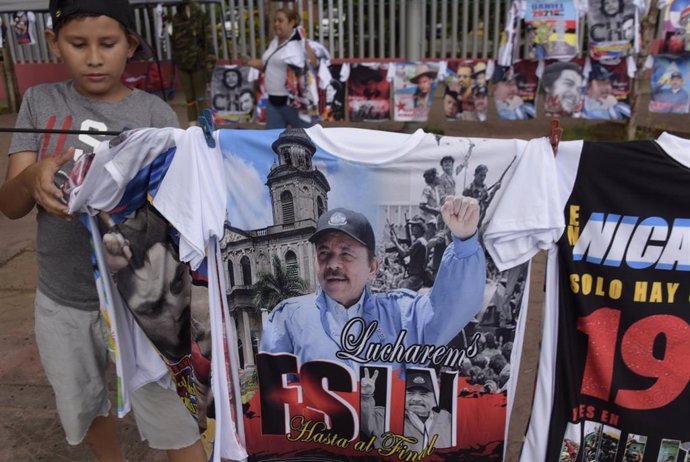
[193, 54]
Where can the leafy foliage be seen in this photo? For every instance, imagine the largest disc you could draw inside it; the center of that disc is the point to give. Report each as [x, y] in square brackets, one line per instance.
[271, 288]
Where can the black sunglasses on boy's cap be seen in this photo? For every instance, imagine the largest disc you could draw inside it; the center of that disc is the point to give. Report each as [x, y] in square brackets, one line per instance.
[119, 10]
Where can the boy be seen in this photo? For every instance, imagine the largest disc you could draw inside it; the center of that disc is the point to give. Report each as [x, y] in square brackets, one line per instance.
[94, 39]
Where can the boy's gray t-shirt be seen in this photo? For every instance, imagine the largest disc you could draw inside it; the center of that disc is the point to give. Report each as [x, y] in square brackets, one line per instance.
[65, 272]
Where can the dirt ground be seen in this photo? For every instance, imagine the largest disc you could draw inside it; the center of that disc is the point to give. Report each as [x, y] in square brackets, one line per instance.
[29, 426]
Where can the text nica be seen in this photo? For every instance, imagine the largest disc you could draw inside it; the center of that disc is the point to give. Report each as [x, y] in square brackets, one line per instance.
[638, 243]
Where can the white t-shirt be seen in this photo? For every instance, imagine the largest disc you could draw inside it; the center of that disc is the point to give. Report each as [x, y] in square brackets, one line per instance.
[276, 59]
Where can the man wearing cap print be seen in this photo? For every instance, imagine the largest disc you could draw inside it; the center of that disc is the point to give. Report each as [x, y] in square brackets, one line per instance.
[424, 78]
[600, 103]
[422, 420]
[673, 99]
[310, 326]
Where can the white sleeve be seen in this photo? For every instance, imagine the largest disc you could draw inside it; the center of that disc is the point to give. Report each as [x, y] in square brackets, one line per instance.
[225, 379]
[529, 216]
[115, 163]
[192, 196]
[442, 71]
[345, 72]
[324, 75]
[294, 54]
[253, 74]
[390, 75]
[581, 6]
[515, 12]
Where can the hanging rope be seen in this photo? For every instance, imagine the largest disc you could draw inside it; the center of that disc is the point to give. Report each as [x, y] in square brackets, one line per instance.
[66, 132]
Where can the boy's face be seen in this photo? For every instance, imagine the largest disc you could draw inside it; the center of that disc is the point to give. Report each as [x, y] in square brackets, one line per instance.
[95, 51]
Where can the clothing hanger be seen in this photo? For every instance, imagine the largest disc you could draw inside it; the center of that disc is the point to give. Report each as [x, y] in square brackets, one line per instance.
[555, 135]
[205, 121]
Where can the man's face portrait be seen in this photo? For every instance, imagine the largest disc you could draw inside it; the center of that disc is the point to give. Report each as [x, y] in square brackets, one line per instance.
[231, 79]
[447, 166]
[567, 89]
[430, 179]
[371, 85]
[344, 267]
[479, 177]
[610, 7]
[676, 83]
[633, 456]
[450, 106]
[419, 401]
[246, 102]
[504, 91]
[599, 89]
[628, 29]
[424, 84]
[465, 76]
[481, 103]
[159, 294]
[416, 230]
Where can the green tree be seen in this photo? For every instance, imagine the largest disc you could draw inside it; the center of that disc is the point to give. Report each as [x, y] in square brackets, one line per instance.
[281, 284]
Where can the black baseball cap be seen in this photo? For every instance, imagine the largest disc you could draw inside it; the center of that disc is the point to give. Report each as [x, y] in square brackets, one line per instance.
[119, 10]
[599, 72]
[418, 380]
[354, 224]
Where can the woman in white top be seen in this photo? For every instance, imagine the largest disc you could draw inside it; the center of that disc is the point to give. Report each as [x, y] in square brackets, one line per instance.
[286, 49]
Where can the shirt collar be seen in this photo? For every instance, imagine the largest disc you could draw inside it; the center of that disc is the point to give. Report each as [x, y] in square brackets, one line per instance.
[355, 310]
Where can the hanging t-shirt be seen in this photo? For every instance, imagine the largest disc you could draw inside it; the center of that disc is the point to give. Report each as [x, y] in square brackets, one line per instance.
[670, 85]
[413, 90]
[466, 94]
[261, 101]
[554, 26]
[232, 93]
[676, 27]
[332, 97]
[368, 93]
[607, 96]
[303, 392]
[613, 27]
[161, 28]
[143, 282]
[24, 24]
[515, 90]
[612, 378]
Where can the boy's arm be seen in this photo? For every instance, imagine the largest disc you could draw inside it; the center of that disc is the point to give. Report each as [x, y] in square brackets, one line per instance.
[28, 182]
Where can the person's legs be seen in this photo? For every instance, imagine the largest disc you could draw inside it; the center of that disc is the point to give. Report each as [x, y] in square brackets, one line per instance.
[190, 98]
[291, 115]
[74, 355]
[274, 117]
[167, 424]
[187, 81]
[102, 439]
[192, 453]
[199, 84]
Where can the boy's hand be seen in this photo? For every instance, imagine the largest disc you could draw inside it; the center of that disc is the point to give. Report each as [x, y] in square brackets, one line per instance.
[43, 189]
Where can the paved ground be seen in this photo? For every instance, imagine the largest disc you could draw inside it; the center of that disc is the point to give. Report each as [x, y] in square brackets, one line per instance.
[28, 422]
